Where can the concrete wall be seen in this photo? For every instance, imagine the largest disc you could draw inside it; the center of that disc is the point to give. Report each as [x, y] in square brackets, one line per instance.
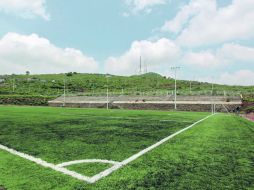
[152, 106]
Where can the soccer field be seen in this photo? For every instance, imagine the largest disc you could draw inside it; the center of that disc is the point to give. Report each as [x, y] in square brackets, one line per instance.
[60, 136]
[87, 142]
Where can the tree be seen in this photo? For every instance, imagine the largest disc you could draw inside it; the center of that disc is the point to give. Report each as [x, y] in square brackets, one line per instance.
[69, 74]
[27, 72]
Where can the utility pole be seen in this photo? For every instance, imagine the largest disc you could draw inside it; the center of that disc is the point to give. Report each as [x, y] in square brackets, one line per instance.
[64, 93]
[107, 76]
[191, 85]
[13, 85]
[213, 104]
[175, 70]
[212, 88]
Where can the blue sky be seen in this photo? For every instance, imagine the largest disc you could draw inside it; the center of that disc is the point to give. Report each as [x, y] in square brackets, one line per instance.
[211, 40]
[95, 27]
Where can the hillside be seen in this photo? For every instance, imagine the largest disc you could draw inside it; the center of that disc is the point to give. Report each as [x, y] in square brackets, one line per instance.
[150, 83]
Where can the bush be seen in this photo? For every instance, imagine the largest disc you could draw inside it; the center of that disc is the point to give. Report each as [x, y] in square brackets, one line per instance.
[69, 74]
[25, 100]
[249, 109]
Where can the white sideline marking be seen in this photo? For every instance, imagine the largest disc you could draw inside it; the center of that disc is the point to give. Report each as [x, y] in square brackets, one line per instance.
[116, 165]
[87, 161]
[141, 153]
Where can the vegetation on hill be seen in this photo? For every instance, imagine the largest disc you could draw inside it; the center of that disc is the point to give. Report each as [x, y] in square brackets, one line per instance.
[150, 84]
[33, 100]
[248, 104]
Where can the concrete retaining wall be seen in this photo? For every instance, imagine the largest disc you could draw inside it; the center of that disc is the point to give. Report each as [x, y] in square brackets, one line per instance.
[206, 106]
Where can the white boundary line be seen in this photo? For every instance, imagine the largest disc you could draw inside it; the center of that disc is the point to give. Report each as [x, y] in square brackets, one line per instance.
[141, 153]
[116, 165]
[46, 164]
[87, 161]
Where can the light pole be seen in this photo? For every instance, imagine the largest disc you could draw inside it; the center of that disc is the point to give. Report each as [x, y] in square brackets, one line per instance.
[213, 104]
[175, 70]
[212, 88]
[13, 85]
[191, 85]
[64, 93]
[107, 76]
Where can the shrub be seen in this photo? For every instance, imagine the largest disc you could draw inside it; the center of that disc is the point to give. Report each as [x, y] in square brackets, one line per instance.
[25, 100]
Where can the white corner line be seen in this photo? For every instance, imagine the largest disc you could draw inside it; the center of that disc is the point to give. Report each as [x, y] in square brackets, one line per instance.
[116, 165]
[87, 161]
[46, 164]
[141, 153]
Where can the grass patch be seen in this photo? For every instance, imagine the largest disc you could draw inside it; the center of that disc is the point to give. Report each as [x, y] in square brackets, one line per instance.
[89, 169]
[215, 154]
[96, 84]
[59, 135]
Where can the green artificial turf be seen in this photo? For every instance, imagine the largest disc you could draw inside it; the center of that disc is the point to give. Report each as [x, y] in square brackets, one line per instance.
[60, 135]
[216, 154]
[89, 169]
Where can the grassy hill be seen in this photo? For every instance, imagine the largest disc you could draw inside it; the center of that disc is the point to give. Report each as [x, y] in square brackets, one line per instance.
[150, 83]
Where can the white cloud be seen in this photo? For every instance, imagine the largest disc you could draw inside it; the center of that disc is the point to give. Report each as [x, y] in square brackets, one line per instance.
[205, 59]
[186, 13]
[156, 54]
[25, 8]
[241, 77]
[237, 52]
[228, 54]
[19, 53]
[142, 5]
[203, 23]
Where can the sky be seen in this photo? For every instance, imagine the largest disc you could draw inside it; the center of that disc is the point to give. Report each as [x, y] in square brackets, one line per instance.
[210, 40]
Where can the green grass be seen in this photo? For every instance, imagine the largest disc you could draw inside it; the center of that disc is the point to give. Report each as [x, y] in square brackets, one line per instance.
[59, 135]
[152, 83]
[215, 154]
[89, 169]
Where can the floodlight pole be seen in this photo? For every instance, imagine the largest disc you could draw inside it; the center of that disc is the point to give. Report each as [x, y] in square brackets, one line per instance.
[13, 85]
[64, 93]
[191, 84]
[175, 70]
[107, 76]
[213, 104]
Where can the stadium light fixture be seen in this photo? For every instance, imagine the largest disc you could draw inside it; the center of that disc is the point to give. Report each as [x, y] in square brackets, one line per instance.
[175, 70]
